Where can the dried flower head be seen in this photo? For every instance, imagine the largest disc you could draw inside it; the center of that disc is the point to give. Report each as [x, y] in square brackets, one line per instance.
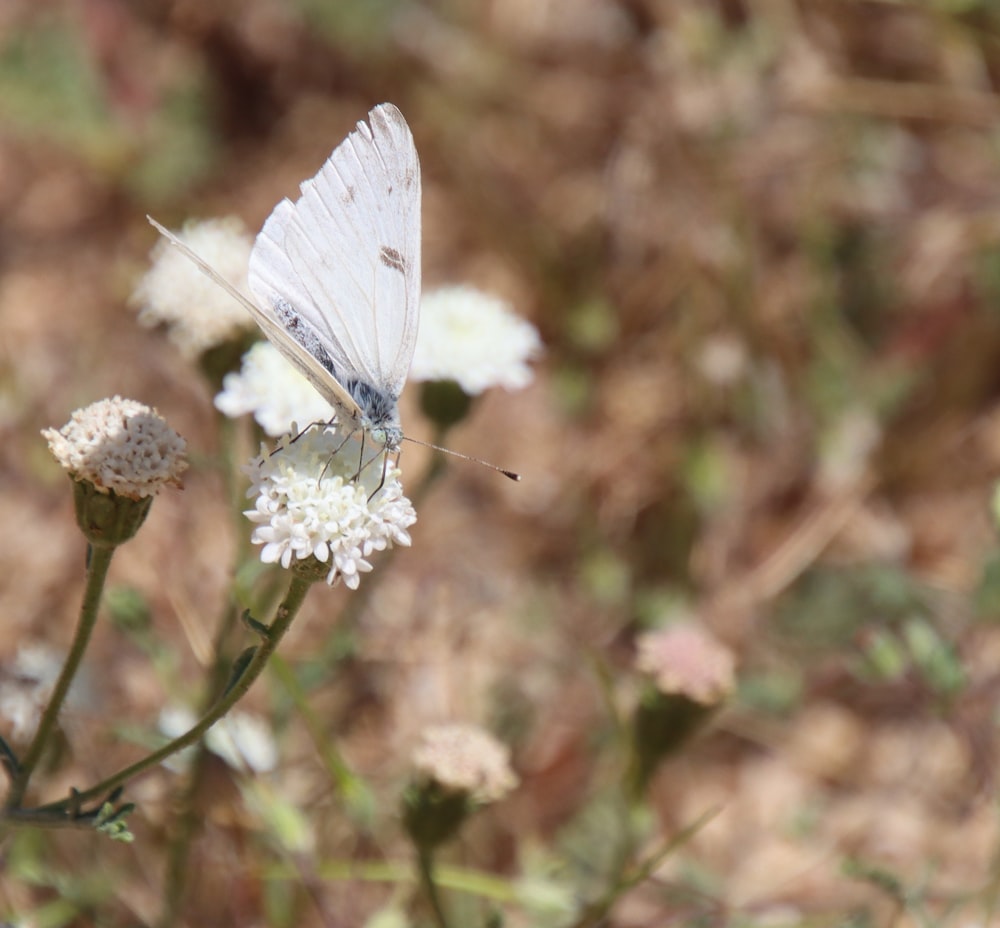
[317, 501]
[474, 339]
[685, 660]
[465, 759]
[691, 674]
[198, 313]
[274, 391]
[122, 446]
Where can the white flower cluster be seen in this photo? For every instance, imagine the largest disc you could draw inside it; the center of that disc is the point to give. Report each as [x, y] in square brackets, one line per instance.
[474, 339]
[465, 759]
[315, 498]
[198, 313]
[274, 391]
[120, 445]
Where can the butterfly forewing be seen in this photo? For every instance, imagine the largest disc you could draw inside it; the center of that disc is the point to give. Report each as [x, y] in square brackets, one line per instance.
[296, 353]
[346, 255]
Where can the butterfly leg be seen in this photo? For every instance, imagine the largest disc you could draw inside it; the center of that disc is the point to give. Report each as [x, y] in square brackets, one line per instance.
[301, 432]
[385, 468]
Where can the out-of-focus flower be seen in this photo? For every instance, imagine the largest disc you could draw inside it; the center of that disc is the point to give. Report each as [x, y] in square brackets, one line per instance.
[465, 759]
[847, 449]
[26, 684]
[722, 359]
[473, 339]
[244, 741]
[198, 313]
[457, 768]
[122, 446]
[274, 391]
[686, 660]
[317, 501]
[690, 675]
[173, 721]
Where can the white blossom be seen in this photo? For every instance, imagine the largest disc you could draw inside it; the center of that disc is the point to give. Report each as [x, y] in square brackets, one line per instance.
[722, 359]
[474, 339]
[317, 498]
[26, 684]
[465, 759]
[198, 313]
[243, 740]
[273, 390]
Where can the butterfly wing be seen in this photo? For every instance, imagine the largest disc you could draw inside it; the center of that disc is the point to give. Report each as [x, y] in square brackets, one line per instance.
[279, 331]
[346, 255]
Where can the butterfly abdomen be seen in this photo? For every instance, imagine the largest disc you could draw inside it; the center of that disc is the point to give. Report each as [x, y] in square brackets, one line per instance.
[302, 332]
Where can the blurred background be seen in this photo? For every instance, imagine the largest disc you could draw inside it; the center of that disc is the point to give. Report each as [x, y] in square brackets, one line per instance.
[761, 242]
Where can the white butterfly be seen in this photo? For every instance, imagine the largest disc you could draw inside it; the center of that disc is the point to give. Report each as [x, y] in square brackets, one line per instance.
[335, 275]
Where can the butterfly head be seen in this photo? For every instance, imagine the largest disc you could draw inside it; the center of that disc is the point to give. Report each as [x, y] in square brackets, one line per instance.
[389, 438]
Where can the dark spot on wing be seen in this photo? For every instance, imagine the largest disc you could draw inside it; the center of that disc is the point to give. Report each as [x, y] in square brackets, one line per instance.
[392, 258]
[348, 196]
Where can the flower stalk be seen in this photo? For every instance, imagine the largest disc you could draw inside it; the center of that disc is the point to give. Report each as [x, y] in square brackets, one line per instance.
[98, 562]
[270, 639]
[458, 768]
[425, 867]
[175, 878]
[689, 676]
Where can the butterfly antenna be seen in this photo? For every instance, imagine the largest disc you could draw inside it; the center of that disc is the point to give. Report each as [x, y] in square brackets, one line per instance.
[509, 474]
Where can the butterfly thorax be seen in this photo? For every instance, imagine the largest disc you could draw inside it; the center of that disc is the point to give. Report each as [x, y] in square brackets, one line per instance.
[380, 410]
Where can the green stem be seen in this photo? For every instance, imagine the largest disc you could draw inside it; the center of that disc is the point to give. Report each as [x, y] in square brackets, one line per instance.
[349, 785]
[98, 562]
[425, 865]
[188, 820]
[275, 632]
[632, 875]
[359, 600]
[396, 872]
[178, 853]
